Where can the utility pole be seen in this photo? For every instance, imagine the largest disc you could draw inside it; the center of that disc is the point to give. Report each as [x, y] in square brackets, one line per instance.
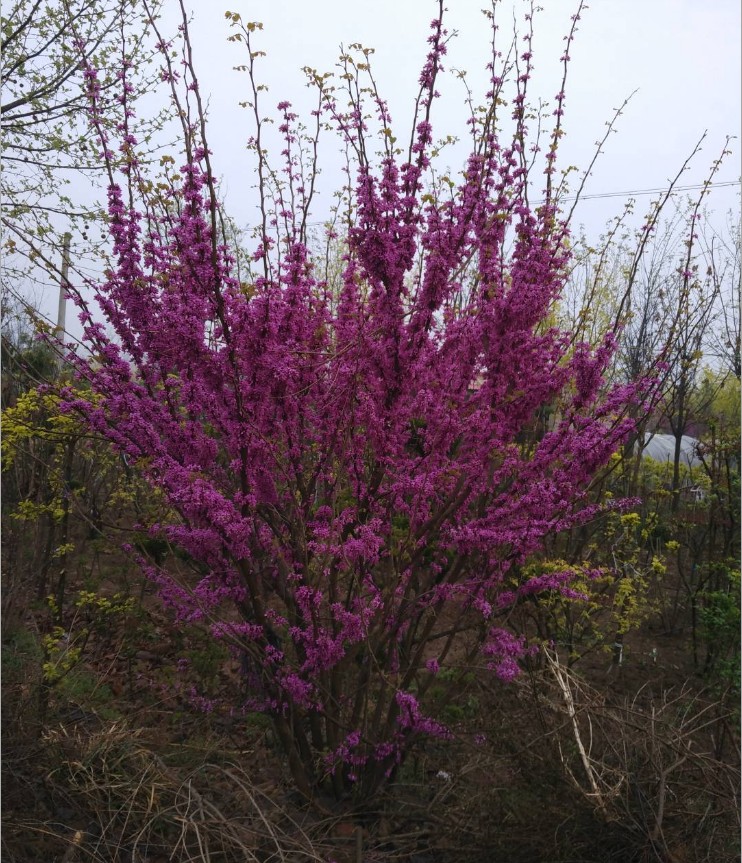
[64, 284]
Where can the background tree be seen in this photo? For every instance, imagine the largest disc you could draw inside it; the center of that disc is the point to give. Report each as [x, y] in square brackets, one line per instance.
[46, 146]
[722, 254]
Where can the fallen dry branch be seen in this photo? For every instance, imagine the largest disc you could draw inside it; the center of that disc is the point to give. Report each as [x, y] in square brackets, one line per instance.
[649, 762]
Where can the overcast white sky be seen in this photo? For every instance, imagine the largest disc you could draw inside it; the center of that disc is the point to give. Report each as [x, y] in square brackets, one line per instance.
[683, 57]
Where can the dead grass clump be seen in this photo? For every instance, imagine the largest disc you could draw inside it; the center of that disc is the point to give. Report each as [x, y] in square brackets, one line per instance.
[126, 805]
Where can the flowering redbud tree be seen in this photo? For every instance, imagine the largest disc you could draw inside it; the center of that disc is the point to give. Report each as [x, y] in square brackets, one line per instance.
[358, 467]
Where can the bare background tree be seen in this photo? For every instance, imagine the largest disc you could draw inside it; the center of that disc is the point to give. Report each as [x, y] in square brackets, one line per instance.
[50, 161]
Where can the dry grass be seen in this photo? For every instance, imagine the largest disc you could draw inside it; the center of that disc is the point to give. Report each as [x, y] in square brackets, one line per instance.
[130, 806]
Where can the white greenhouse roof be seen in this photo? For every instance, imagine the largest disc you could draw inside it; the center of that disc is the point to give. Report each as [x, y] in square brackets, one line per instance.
[661, 447]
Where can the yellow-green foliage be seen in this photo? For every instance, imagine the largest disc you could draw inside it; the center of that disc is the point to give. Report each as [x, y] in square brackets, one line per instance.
[725, 403]
[101, 606]
[572, 621]
[656, 478]
[612, 587]
[628, 536]
[61, 655]
[34, 416]
[30, 510]
[63, 648]
[34, 426]
[35, 431]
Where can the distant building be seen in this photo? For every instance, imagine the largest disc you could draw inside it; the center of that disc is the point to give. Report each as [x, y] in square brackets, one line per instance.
[661, 447]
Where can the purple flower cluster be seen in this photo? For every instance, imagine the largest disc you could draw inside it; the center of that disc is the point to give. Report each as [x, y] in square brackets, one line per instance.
[503, 650]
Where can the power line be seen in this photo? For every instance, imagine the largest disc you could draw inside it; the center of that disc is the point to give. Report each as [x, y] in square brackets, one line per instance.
[658, 191]
[633, 193]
